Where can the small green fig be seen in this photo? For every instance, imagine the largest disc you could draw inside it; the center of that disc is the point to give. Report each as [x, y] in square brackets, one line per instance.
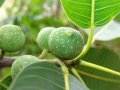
[11, 38]
[66, 43]
[21, 62]
[43, 37]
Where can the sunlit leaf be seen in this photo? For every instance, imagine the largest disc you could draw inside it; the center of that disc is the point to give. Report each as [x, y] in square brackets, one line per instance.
[79, 11]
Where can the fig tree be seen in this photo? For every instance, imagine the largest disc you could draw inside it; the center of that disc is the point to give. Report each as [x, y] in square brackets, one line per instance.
[21, 62]
[11, 38]
[66, 43]
[43, 37]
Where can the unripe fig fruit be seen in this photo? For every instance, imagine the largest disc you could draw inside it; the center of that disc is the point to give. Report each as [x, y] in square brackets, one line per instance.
[21, 62]
[11, 38]
[43, 37]
[66, 43]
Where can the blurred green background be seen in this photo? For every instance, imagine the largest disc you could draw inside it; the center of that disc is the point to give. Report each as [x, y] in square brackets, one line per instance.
[32, 16]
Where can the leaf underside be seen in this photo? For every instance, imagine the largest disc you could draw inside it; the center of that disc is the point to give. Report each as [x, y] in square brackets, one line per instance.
[44, 76]
[79, 11]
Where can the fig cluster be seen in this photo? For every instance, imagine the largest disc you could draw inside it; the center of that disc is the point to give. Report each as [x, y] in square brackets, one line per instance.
[65, 43]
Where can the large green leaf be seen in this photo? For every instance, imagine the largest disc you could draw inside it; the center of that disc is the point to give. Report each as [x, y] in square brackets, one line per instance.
[1, 2]
[106, 58]
[44, 76]
[79, 11]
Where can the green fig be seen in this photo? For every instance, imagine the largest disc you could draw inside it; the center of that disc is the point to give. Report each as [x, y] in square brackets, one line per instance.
[43, 37]
[21, 62]
[66, 43]
[11, 38]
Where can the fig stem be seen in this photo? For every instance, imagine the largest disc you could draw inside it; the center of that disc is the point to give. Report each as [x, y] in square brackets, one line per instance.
[91, 33]
[87, 46]
[76, 74]
[43, 54]
[98, 67]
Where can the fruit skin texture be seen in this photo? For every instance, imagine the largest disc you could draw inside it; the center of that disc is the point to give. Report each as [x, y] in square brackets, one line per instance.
[21, 62]
[43, 37]
[11, 38]
[66, 43]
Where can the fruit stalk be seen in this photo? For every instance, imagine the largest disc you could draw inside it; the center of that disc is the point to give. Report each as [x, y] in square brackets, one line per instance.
[101, 68]
[43, 54]
[91, 35]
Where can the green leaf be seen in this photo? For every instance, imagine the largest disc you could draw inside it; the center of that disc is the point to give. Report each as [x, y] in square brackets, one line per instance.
[75, 84]
[1, 2]
[5, 82]
[43, 76]
[79, 11]
[117, 19]
[106, 58]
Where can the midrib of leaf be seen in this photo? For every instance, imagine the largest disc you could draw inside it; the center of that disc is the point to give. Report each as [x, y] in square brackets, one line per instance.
[98, 77]
[66, 75]
[92, 13]
[79, 11]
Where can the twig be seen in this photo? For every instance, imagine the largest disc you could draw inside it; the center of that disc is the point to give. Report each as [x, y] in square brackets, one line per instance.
[6, 61]
[2, 54]
[56, 11]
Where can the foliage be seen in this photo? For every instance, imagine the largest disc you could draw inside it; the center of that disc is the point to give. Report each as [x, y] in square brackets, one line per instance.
[94, 68]
[44, 74]
[103, 10]
[97, 80]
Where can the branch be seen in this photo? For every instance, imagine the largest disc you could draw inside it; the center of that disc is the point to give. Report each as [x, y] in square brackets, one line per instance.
[57, 9]
[6, 61]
